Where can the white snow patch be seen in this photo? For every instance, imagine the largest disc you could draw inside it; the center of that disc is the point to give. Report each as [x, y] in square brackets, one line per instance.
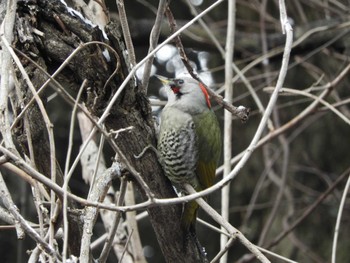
[106, 54]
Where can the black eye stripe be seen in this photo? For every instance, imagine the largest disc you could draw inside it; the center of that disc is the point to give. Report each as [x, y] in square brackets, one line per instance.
[180, 81]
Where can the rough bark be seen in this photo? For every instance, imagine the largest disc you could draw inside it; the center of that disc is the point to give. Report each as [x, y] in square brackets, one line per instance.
[62, 34]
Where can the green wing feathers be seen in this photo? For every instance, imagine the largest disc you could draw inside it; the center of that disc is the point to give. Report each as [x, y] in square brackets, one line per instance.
[206, 174]
[189, 216]
[209, 148]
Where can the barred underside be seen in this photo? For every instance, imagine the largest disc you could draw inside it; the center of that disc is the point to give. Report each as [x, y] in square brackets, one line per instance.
[179, 153]
[189, 142]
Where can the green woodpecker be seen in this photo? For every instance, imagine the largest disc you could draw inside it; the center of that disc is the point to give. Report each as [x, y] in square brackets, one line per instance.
[189, 141]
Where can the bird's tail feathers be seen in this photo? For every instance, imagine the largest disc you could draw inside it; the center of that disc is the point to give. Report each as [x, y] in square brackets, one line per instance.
[189, 216]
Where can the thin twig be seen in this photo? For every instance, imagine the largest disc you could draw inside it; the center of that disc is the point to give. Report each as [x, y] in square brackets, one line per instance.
[300, 117]
[135, 239]
[110, 238]
[48, 124]
[126, 246]
[337, 224]
[235, 233]
[11, 207]
[7, 217]
[6, 33]
[225, 191]
[98, 162]
[97, 194]
[309, 95]
[126, 32]
[101, 239]
[210, 226]
[280, 185]
[14, 169]
[24, 223]
[296, 43]
[66, 178]
[276, 255]
[153, 40]
[223, 251]
[61, 67]
[93, 165]
[309, 210]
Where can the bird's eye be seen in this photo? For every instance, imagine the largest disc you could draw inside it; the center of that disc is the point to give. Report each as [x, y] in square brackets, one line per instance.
[180, 81]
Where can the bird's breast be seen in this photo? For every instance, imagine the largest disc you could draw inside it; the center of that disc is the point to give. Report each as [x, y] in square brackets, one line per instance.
[178, 148]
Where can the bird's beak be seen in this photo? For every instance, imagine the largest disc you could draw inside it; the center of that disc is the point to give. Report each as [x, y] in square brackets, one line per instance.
[164, 80]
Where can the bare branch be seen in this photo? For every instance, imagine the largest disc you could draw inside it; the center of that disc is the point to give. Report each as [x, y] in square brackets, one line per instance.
[6, 33]
[126, 32]
[337, 224]
[97, 194]
[24, 224]
[229, 47]
[229, 228]
[154, 36]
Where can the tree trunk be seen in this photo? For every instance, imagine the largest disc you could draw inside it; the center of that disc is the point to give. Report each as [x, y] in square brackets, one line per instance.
[61, 33]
